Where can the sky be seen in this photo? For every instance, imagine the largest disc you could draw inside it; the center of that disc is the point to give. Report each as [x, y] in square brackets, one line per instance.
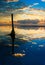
[22, 9]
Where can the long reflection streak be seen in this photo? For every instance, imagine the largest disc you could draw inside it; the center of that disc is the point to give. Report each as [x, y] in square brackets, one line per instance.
[25, 34]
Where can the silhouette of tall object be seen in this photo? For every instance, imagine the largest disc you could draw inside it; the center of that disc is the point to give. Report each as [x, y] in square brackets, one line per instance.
[12, 34]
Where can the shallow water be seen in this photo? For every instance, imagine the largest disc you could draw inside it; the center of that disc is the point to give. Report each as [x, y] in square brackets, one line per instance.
[29, 46]
[24, 32]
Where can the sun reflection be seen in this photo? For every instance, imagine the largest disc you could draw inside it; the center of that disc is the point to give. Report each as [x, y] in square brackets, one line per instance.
[18, 55]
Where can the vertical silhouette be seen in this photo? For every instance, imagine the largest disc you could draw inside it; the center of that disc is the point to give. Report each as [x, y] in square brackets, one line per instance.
[12, 34]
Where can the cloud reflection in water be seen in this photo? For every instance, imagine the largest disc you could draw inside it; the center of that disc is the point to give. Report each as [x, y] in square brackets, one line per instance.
[18, 55]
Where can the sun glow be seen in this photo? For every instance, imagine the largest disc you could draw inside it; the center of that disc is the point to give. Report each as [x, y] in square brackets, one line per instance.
[31, 17]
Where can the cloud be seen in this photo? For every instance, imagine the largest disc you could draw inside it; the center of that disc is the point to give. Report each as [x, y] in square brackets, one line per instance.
[19, 8]
[34, 4]
[43, 0]
[30, 10]
[34, 11]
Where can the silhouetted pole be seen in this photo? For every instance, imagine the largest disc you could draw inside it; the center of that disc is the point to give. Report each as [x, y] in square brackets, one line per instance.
[12, 22]
[12, 34]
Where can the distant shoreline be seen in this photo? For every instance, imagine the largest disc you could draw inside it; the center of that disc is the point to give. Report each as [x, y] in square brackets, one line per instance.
[23, 25]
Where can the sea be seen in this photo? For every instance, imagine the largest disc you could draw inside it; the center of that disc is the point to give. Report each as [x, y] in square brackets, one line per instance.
[29, 46]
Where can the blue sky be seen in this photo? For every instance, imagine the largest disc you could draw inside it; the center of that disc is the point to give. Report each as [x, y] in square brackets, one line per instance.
[25, 2]
[10, 5]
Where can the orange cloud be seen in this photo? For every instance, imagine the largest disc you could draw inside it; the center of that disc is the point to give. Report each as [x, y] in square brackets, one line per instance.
[28, 16]
[36, 14]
